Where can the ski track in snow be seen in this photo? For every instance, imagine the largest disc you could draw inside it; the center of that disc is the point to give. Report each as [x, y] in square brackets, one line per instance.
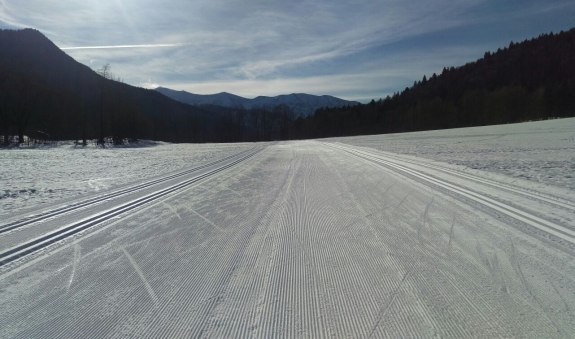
[74, 264]
[307, 239]
[33, 179]
[149, 288]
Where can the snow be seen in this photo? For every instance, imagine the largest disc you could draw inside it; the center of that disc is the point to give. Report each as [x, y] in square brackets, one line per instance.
[541, 152]
[32, 177]
[303, 239]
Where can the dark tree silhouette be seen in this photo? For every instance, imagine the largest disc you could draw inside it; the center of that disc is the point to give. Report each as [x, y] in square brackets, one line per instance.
[531, 80]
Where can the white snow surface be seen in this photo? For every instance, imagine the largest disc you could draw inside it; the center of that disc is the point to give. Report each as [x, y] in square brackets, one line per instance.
[334, 238]
[33, 177]
[541, 152]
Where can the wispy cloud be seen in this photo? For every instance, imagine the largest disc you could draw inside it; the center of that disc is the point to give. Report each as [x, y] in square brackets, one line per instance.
[120, 46]
[369, 81]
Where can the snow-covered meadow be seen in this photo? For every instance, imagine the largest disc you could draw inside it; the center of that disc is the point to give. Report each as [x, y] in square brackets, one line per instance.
[33, 177]
[541, 151]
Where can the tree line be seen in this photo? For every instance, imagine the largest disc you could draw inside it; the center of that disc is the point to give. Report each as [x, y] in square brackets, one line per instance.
[531, 80]
[46, 95]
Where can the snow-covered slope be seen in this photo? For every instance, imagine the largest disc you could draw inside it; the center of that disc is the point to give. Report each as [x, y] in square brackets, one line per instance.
[300, 103]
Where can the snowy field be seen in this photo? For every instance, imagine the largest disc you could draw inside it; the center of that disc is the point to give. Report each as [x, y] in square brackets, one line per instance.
[541, 152]
[33, 177]
[307, 239]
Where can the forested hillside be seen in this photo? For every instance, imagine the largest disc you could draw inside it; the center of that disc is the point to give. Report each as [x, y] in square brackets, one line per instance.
[47, 95]
[531, 80]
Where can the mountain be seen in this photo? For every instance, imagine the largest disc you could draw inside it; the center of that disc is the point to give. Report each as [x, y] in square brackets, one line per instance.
[221, 99]
[300, 103]
[531, 80]
[46, 94]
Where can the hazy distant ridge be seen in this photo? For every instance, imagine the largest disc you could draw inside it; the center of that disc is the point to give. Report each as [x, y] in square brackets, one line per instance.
[300, 103]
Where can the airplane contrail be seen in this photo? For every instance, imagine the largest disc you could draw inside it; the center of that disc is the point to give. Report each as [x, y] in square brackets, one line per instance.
[120, 46]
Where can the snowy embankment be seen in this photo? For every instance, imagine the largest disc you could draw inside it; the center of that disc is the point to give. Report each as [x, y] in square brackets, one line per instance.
[300, 239]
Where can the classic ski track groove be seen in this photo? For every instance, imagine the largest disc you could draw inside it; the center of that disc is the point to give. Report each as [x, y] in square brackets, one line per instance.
[67, 231]
[92, 201]
[525, 217]
[500, 185]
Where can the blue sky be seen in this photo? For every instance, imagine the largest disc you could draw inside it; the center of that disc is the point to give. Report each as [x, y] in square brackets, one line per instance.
[352, 49]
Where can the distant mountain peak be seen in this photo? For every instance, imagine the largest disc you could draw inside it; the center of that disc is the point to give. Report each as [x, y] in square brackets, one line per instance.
[302, 104]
